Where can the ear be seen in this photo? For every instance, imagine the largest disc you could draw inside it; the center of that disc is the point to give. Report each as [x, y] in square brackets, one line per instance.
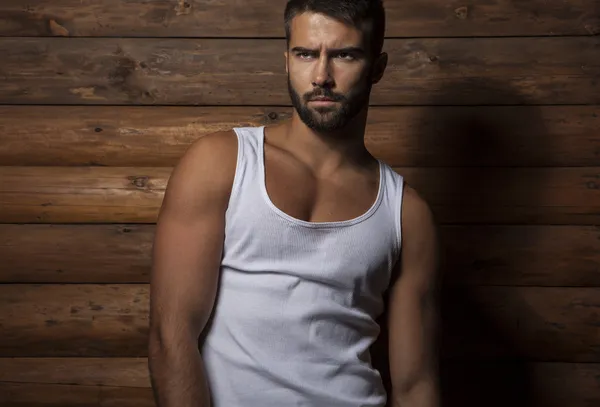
[285, 54]
[379, 67]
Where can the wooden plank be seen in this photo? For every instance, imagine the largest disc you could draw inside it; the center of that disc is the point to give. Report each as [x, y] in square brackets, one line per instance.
[52, 253]
[542, 324]
[479, 323]
[448, 71]
[457, 195]
[52, 395]
[521, 384]
[260, 18]
[463, 384]
[401, 136]
[81, 194]
[73, 320]
[520, 255]
[117, 372]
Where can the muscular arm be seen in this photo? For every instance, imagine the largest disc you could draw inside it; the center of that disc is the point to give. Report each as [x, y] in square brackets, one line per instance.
[413, 310]
[185, 267]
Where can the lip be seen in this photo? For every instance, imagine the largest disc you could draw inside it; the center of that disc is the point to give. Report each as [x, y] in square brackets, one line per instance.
[322, 101]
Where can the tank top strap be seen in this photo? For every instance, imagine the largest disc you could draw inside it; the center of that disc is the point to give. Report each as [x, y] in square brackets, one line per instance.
[393, 200]
[247, 158]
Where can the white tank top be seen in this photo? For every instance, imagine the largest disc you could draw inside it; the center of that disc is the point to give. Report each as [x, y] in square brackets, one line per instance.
[295, 312]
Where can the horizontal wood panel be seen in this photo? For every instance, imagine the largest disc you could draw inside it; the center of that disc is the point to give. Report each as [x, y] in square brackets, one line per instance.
[401, 136]
[474, 255]
[52, 253]
[543, 324]
[263, 18]
[463, 384]
[457, 195]
[68, 395]
[480, 323]
[449, 71]
[118, 372]
[521, 384]
[73, 320]
[522, 255]
[81, 194]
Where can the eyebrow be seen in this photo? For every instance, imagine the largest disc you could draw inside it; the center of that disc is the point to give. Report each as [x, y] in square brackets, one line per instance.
[350, 50]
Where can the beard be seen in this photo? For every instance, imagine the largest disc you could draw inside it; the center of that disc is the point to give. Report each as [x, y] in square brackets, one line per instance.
[326, 119]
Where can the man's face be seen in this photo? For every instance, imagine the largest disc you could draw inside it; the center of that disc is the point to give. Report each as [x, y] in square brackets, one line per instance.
[328, 71]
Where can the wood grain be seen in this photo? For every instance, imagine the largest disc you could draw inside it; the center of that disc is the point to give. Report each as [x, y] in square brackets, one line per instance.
[73, 320]
[524, 255]
[81, 194]
[457, 195]
[263, 18]
[401, 136]
[521, 255]
[446, 71]
[68, 395]
[506, 323]
[76, 253]
[463, 384]
[520, 384]
[480, 323]
[117, 372]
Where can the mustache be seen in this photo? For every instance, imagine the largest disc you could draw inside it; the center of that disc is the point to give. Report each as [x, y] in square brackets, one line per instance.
[323, 93]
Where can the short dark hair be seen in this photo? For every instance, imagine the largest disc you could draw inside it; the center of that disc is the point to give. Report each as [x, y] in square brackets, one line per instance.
[352, 12]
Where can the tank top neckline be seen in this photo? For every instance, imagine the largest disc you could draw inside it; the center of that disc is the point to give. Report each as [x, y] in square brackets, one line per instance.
[300, 222]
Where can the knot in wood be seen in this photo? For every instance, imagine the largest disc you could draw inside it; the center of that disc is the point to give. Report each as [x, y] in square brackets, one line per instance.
[462, 12]
[140, 182]
[593, 29]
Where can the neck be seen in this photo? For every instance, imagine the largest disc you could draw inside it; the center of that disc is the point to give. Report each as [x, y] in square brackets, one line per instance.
[327, 151]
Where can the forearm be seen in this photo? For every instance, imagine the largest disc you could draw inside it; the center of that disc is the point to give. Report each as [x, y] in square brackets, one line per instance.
[177, 375]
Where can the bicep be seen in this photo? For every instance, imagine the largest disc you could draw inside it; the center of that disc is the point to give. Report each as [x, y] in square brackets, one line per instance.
[187, 247]
[413, 305]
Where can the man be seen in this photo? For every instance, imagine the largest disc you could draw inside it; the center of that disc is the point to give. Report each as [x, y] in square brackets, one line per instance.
[277, 245]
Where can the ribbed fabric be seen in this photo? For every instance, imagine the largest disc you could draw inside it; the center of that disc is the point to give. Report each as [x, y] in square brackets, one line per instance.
[295, 312]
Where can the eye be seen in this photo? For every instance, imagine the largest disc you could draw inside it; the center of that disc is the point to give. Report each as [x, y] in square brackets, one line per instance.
[346, 55]
[304, 55]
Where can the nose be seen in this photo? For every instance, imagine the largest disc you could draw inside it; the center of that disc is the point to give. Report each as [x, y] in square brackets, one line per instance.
[322, 73]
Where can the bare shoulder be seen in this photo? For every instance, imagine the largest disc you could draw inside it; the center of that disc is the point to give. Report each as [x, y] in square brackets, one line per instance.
[214, 153]
[420, 245]
[205, 171]
[417, 271]
[417, 214]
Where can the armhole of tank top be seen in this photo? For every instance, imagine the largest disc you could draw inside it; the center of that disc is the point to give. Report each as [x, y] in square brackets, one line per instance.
[237, 177]
[400, 195]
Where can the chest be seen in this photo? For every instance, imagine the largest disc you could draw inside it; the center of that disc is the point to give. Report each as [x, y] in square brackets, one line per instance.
[295, 190]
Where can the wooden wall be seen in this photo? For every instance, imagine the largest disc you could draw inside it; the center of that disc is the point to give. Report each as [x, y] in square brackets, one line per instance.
[490, 108]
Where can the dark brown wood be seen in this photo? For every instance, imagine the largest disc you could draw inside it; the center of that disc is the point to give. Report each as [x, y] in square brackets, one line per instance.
[542, 324]
[73, 320]
[457, 195]
[68, 395]
[75, 253]
[463, 384]
[520, 384]
[81, 194]
[519, 255]
[117, 372]
[264, 18]
[448, 71]
[479, 323]
[401, 136]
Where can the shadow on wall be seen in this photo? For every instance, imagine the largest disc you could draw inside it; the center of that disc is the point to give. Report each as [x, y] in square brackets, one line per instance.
[482, 364]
